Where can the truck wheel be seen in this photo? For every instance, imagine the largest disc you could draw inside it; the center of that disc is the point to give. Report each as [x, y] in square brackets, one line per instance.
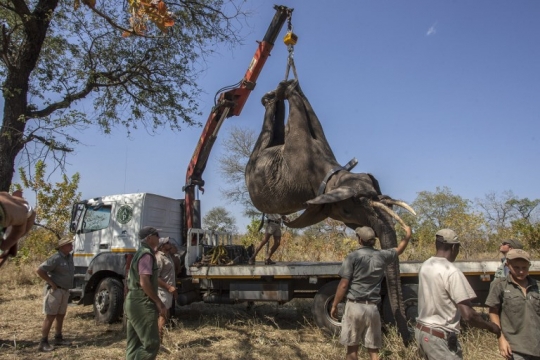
[410, 302]
[322, 304]
[108, 300]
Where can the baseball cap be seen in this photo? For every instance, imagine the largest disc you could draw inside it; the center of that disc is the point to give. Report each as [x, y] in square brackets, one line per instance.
[447, 236]
[515, 244]
[365, 233]
[148, 230]
[518, 254]
[163, 241]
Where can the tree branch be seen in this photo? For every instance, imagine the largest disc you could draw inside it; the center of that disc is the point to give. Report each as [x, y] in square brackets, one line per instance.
[51, 144]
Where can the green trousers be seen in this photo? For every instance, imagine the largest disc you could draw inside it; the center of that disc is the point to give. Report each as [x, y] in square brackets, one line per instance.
[142, 327]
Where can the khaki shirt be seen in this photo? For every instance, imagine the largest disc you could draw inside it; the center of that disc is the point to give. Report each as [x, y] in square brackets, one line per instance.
[364, 268]
[60, 269]
[441, 286]
[519, 313]
[166, 269]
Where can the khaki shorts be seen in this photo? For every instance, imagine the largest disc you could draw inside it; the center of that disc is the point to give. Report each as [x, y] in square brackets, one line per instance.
[55, 302]
[273, 229]
[166, 297]
[361, 323]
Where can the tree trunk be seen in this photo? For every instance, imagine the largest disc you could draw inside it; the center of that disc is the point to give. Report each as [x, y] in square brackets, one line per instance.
[15, 88]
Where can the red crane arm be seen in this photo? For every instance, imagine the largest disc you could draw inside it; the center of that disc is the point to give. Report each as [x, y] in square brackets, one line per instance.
[230, 103]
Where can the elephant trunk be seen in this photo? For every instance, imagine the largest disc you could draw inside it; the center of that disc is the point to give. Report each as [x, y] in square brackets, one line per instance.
[384, 228]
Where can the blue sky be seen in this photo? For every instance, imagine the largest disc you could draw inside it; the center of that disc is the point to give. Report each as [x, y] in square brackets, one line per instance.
[423, 93]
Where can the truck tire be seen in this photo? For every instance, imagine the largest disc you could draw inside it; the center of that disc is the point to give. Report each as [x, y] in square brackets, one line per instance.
[322, 304]
[410, 302]
[108, 300]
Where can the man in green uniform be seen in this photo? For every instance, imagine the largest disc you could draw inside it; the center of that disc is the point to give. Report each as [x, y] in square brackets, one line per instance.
[142, 304]
[514, 304]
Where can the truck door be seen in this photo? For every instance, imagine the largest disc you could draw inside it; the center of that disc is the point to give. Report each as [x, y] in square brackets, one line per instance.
[93, 233]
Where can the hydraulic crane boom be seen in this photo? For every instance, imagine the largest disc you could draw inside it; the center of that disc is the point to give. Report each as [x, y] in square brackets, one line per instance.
[230, 103]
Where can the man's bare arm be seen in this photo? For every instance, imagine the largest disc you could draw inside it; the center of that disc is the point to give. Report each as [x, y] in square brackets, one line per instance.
[475, 319]
[340, 295]
[405, 241]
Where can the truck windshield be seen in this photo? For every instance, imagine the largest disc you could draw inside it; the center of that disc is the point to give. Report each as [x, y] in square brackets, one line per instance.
[96, 218]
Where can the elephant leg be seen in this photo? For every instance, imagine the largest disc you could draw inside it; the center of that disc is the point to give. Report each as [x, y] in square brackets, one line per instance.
[273, 129]
[384, 228]
[303, 123]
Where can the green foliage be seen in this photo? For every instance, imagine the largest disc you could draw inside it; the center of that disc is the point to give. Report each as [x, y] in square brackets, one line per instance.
[509, 216]
[528, 233]
[53, 208]
[253, 234]
[219, 219]
[443, 209]
[54, 56]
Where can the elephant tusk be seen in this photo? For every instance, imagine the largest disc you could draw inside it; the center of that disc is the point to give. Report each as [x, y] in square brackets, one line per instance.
[400, 203]
[388, 210]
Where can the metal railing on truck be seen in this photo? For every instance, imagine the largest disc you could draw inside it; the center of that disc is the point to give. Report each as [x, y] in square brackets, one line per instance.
[198, 238]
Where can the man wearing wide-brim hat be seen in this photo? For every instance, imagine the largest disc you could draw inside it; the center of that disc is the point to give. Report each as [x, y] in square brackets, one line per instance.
[58, 272]
[514, 304]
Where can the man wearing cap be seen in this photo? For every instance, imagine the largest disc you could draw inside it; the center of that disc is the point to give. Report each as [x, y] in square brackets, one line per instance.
[444, 296]
[514, 305]
[143, 304]
[361, 276]
[506, 246]
[166, 280]
[58, 272]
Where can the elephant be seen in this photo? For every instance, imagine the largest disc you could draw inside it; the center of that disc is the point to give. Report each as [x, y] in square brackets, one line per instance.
[292, 167]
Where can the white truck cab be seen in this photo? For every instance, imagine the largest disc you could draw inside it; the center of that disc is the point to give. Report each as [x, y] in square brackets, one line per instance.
[106, 229]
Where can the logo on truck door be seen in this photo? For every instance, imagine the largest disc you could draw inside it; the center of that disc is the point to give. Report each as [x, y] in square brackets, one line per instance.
[124, 214]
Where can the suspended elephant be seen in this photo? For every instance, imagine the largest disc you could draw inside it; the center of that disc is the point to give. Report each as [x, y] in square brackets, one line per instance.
[292, 168]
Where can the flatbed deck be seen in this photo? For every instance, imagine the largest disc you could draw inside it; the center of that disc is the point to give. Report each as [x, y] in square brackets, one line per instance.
[287, 270]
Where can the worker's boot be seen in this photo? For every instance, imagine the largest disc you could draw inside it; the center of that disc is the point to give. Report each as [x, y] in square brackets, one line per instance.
[44, 346]
[60, 341]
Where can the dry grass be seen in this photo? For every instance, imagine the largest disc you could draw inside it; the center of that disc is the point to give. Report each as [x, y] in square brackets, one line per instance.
[202, 331]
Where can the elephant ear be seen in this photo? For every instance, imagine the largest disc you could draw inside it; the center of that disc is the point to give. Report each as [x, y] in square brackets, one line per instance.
[339, 194]
[312, 215]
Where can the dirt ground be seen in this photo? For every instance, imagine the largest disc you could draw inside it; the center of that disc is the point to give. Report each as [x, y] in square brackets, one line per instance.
[201, 331]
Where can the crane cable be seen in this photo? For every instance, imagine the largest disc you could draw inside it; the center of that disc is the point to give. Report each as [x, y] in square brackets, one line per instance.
[290, 40]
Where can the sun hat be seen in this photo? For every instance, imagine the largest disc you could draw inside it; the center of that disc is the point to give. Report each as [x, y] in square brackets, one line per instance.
[64, 241]
[163, 241]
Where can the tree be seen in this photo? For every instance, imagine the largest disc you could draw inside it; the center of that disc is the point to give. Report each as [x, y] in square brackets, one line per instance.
[219, 219]
[53, 208]
[510, 217]
[238, 146]
[443, 209]
[54, 55]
